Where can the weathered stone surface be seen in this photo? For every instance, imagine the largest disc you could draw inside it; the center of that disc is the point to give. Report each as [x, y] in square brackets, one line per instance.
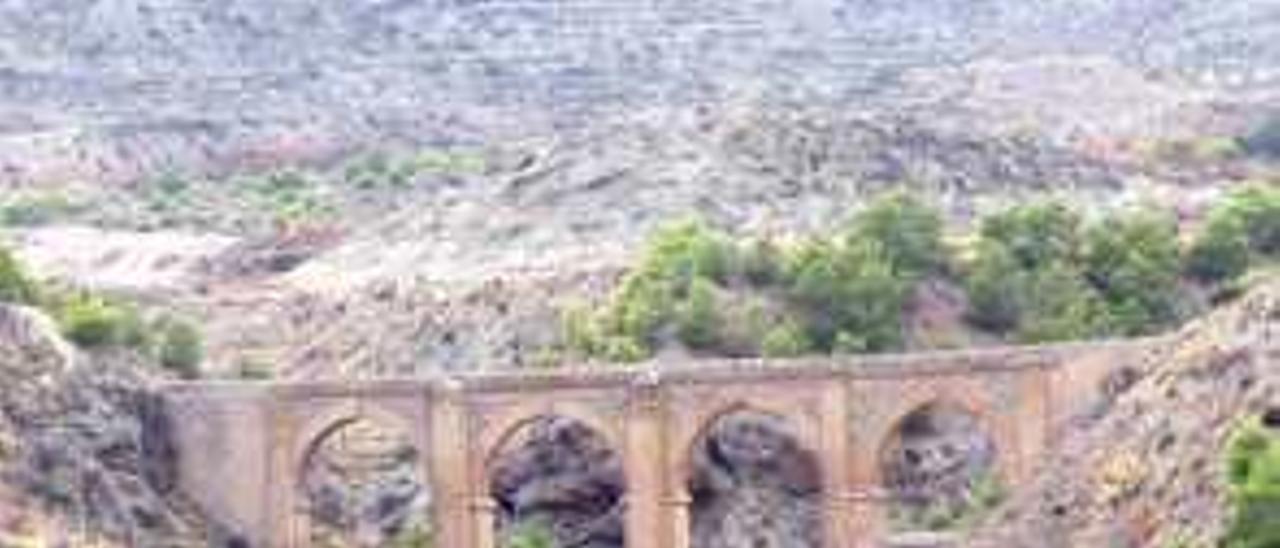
[91, 443]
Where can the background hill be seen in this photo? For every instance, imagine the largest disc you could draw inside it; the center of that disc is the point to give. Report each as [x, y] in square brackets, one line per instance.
[118, 88]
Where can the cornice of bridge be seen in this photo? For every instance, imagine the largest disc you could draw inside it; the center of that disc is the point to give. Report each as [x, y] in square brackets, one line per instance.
[974, 361]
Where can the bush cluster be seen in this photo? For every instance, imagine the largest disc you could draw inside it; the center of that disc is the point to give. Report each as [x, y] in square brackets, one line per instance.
[1041, 273]
[1253, 477]
[93, 321]
[1032, 273]
[841, 293]
[1241, 229]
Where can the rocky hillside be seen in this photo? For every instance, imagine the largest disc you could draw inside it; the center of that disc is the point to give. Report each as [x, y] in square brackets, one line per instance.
[84, 452]
[1148, 469]
[117, 89]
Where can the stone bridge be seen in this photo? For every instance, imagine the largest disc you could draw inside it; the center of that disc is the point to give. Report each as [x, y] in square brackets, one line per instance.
[242, 446]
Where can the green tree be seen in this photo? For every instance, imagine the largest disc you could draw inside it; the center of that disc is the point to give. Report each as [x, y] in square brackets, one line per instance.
[90, 321]
[1258, 208]
[848, 287]
[1220, 251]
[698, 321]
[909, 233]
[1132, 259]
[684, 250]
[1057, 305]
[992, 286]
[1036, 235]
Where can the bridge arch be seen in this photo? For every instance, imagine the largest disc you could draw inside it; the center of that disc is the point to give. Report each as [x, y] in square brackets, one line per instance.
[523, 475]
[355, 455]
[802, 427]
[743, 457]
[334, 417]
[967, 395]
[941, 451]
[499, 430]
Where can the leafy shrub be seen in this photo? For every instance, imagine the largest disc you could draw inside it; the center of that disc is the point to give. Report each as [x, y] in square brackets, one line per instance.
[784, 341]
[1253, 475]
[640, 307]
[1036, 235]
[847, 287]
[697, 320]
[91, 321]
[1034, 273]
[1220, 252]
[682, 251]
[1057, 305]
[909, 233]
[530, 535]
[1257, 207]
[181, 348]
[15, 286]
[993, 275]
[1132, 259]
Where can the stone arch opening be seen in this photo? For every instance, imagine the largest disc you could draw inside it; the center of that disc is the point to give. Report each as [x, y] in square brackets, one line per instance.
[752, 484]
[361, 485]
[939, 467]
[557, 479]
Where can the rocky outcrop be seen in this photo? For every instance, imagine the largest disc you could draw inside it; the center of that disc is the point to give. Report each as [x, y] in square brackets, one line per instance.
[87, 444]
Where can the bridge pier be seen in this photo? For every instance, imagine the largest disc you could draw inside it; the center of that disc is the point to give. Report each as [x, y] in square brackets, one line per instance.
[644, 468]
[447, 464]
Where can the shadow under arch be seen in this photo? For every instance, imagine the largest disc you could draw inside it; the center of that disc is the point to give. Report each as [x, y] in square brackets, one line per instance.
[360, 480]
[804, 434]
[753, 480]
[558, 476]
[939, 462]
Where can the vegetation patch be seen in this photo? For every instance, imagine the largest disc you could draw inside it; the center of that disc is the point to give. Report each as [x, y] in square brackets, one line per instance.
[716, 294]
[1032, 273]
[1253, 477]
[97, 322]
